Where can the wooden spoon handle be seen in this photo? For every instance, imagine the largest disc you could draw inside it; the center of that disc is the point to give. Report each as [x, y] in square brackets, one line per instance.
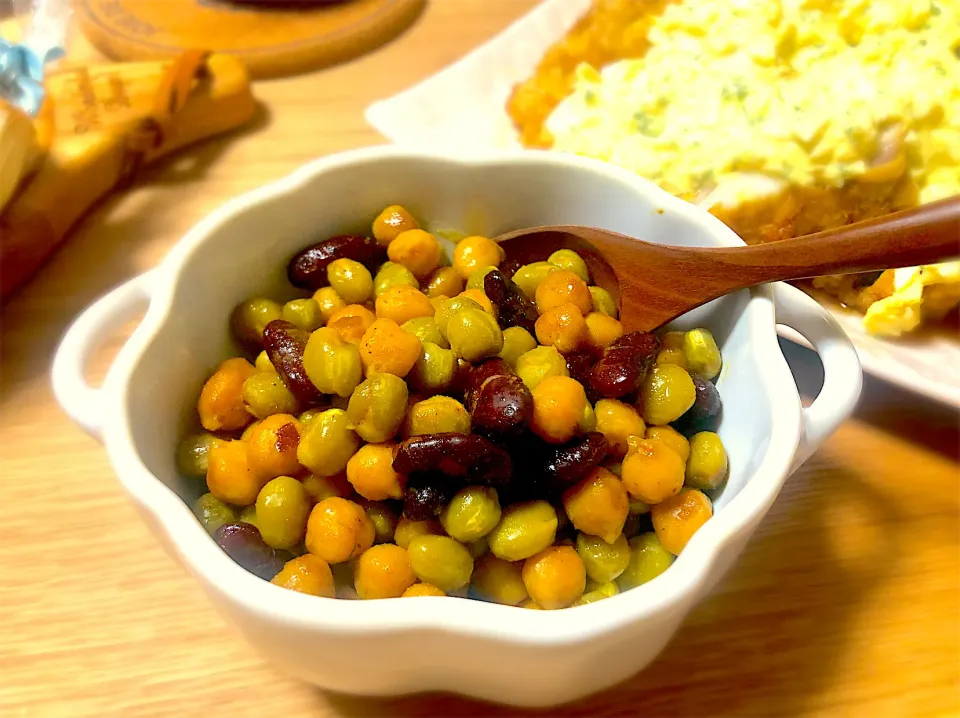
[923, 235]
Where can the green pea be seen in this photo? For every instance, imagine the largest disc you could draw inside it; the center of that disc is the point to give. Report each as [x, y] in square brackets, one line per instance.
[472, 513]
[474, 335]
[475, 280]
[451, 307]
[251, 317]
[597, 592]
[571, 261]
[282, 510]
[437, 415]
[426, 330]
[516, 342]
[392, 275]
[603, 561]
[377, 407]
[327, 443]
[603, 301]
[524, 529]
[435, 369]
[264, 394]
[441, 561]
[384, 520]
[351, 280]
[303, 313]
[213, 513]
[537, 364]
[701, 352]
[193, 454]
[707, 465]
[648, 559]
[529, 276]
[331, 364]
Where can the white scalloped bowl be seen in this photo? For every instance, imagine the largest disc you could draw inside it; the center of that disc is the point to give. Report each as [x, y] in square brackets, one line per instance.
[488, 651]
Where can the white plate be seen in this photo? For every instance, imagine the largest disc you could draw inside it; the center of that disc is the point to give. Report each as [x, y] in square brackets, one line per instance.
[462, 109]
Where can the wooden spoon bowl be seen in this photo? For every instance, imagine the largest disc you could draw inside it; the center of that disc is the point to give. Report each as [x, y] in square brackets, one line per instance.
[655, 283]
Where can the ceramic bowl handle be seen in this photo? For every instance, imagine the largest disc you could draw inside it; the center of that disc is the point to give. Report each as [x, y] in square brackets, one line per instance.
[82, 402]
[842, 375]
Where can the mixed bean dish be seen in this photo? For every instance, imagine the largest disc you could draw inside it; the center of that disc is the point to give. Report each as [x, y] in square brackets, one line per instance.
[474, 428]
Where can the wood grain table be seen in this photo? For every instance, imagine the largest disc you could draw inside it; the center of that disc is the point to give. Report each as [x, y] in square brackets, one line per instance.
[846, 603]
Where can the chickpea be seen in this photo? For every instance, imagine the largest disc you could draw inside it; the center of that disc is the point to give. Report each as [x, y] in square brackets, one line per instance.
[562, 327]
[540, 363]
[603, 301]
[445, 281]
[402, 303]
[383, 571]
[422, 589]
[351, 321]
[563, 287]
[272, 447]
[229, 477]
[329, 302]
[571, 261]
[618, 422]
[498, 581]
[473, 253]
[652, 471]
[328, 443]
[672, 438]
[351, 280]
[391, 222]
[220, 405]
[416, 250]
[666, 394]
[338, 530]
[602, 330]
[555, 577]
[307, 574]
[387, 349]
[408, 530]
[516, 341]
[370, 472]
[332, 364]
[558, 407]
[597, 505]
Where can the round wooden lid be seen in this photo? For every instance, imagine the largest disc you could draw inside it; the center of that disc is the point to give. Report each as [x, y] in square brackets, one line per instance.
[273, 39]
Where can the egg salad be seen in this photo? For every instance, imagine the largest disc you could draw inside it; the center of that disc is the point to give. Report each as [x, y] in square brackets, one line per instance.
[789, 116]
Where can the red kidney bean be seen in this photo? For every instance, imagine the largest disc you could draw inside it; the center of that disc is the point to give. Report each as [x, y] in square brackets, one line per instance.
[426, 495]
[704, 415]
[624, 364]
[472, 457]
[285, 343]
[242, 542]
[580, 365]
[501, 407]
[570, 462]
[509, 267]
[472, 378]
[308, 268]
[514, 308]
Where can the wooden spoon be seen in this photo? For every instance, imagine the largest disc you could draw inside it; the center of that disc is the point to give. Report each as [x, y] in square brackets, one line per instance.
[654, 283]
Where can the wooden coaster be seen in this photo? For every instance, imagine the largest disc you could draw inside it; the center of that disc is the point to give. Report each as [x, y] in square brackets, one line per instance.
[272, 41]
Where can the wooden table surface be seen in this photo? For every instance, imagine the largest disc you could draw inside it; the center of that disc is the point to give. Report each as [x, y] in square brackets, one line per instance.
[846, 603]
